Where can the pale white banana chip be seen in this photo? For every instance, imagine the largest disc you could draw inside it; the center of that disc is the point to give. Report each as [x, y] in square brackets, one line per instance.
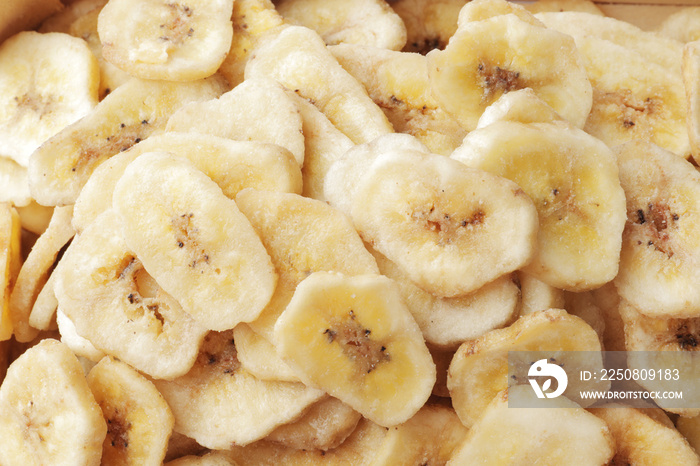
[344, 175]
[10, 263]
[429, 23]
[168, 40]
[364, 22]
[479, 10]
[79, 19]
[645, 437]
[259, 357]
[14, 183]
[233, 165]
[35, 218]
[47, 413]
[660, 244]
[522, 106]
[36, 270]
[447, 322]
[139, 420]
[220, 405]
[299, 60]
[354, 338]
[193, 240]
[255, 110]
[80, 346]
[429, 437]
[325, 425]
[536, 295]
[359, 448]
[682, 25]
[323, 145]
[479, 369]
[49, 81]
[302, 236]
[562, 433]
[42, 315]
[59, 169]
[451, 228]
[253, 21]
[493, 56]
[113, 302]
[398, 82]
[572, 178]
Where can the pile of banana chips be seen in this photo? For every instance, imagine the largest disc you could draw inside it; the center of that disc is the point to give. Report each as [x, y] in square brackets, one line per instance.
[246, 232]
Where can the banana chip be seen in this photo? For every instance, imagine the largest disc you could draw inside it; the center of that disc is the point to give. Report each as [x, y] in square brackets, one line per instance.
[9, 264]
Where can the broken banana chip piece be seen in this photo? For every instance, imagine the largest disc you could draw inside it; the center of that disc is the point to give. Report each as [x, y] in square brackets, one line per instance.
[165, 39]
[451, 228]
[219, 404]
[193, 240]
[558, 433]
[62, 165]
[48, 414]
[659, 271]
[572, 178]
[48, 82]
[104, 290]
[10, 262]
[488, 58]
[354, 338]
[139, 420]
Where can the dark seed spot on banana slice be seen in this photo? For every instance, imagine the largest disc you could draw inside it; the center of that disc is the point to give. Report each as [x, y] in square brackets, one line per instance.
[496, 81]
[101, 145]
[655, 220]
[356, 344]
[118, 430]
[218, 354]
[633, 109]
[177, 28]
[446, 226]
[186, 233]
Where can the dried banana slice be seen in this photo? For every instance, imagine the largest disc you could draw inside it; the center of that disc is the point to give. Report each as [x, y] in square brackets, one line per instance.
[79, 19]
[10, 262]
[49, 81]
[562, 433]
[451, 228]
[429, 23]
[299, 60]
[36, 270]
[398, 82]
[365, 22]
[447, 322]
[344, 175]
[637, 83]
[259, 357]
[522, 106]
[164, 39]
[253, 20]
[255, 110]
[47, 413]
[323, 145]
[429, 437]
[61, 166]
[80, 346]
[479, 369]
[536, 295]
[645, 436]
[573, 180]
[139, 420]
[354, 338]
[479, 10]
[193, 240]
[220, 405]
[324, 426]
[14, 183]
[660, 246]
[691, 79]
[681, 25]
[302, 236]
[488, 58]
[660, 344]
[104, 290]
[233, 165]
